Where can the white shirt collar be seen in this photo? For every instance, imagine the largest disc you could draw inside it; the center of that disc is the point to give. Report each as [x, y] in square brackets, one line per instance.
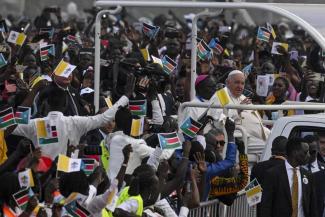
[314, 164]
[288, 166]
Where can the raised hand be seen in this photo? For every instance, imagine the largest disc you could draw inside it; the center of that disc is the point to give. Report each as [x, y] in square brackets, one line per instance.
[129, 88]
[200, 160]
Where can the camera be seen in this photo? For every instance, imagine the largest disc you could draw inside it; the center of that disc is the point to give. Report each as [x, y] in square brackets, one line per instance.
[129, 66]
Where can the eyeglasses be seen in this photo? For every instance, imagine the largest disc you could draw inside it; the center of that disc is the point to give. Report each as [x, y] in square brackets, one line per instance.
[222, 143]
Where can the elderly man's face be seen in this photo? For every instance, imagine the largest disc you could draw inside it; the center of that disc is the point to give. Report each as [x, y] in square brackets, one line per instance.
[236, 84]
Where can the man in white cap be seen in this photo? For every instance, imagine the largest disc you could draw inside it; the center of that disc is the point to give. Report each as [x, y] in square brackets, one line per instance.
[249, 119]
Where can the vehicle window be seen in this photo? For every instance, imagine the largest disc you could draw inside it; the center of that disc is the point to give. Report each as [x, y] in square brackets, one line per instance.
[302, 131]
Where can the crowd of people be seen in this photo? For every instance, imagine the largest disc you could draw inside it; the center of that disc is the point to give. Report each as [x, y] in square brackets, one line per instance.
[139, 155]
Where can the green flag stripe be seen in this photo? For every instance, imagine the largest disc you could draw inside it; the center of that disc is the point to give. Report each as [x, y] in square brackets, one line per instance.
[7, 123]
[188, 132]
[44, 141]
[138, 113]
[172, 146]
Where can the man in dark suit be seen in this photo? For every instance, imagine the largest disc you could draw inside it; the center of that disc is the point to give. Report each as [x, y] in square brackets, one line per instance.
[278, 156]
[321, 145]
[314, 165]
[289, 188]
[320, 191]
[75, 105]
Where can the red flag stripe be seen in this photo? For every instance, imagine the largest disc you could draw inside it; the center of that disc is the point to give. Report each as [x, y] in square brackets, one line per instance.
[80, 213]
[22, 200]
[201, 48]
[194, 128]
[89, 166]
[18, 114]
[44, 52]
[134, 108]
[172, 140]
[170, 66]
[7, 117]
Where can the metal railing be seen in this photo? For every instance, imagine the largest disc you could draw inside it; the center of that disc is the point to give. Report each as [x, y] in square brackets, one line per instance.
[240, 208]
[214, 208]
[206, 209]
[320, 106]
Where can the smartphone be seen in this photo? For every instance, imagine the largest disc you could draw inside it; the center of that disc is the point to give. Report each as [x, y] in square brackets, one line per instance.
[93, 150]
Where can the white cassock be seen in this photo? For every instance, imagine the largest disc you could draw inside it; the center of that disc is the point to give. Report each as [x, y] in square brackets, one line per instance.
[249, 119]
[252, 123]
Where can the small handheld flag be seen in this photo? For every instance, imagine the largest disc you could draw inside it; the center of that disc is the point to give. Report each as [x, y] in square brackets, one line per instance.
[263, 34]
[253, 193]
[215, 44]
[46, 134]
[169, 65]
[104, 43]
[58, 197]
[22, 197]
[3, 61]
[17, 38]
[76, 210]
[22, 115]
[138, 107]
[7, 118]
[137, 127]
[64, 69]
[112, 197]
[248, 69]
[157, 60]
[275, 44]
[169, 140]
[46, 50]
[48, 30]
[190, 127]
[66, 164]
[71, 40]
[271, 30]
[26, 178]
[149, 30]
[145, 54]
[203, 50]
[223, 96]
[88, 165]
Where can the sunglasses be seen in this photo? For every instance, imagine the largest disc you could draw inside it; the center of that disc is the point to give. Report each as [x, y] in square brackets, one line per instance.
[222, 143]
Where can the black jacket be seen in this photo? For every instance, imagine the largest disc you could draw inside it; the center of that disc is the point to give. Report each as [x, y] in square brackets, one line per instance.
[276, 196]
[320, 190]
[259, 171]
[75, 105]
